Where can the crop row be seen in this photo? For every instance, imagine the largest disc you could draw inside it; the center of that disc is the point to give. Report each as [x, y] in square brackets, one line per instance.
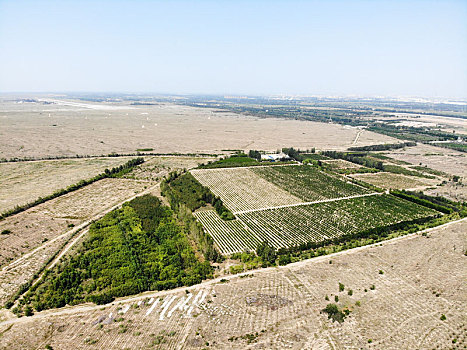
[230, 236]
[289, 226]
[242, 189]
[309, 183]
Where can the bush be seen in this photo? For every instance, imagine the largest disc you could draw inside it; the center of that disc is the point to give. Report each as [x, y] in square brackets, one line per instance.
[334, 313]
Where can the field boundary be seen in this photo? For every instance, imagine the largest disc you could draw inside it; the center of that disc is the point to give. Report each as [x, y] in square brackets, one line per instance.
[243, 167]
[308, 203]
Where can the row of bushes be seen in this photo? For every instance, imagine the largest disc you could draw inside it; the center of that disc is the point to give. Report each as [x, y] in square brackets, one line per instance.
[183, 188]
[86, 156]
[438, 203]
[384, 147]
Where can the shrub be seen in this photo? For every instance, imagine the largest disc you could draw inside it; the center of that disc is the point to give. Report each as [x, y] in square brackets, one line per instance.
[334, 313]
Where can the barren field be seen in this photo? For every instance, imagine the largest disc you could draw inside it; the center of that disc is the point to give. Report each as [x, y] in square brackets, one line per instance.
[24, 182]
[452, 190]
[44, 222]
[442, 159]
[396, 181]
[155, 167]
[341, 164]
[35, 130]
[421, 279]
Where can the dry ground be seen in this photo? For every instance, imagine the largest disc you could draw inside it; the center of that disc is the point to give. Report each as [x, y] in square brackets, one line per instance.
[156, 167]
[34, 130]
[442, 159]
[396, 181]
[279, 308]
[455, 191]
[341, 164]
[24, 182]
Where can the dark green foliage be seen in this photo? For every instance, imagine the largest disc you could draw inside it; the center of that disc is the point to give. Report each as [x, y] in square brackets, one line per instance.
[267, 253]
[384, 147]
[254, 154]
[438, 203]
[185, 189]
[284, 260]
[236, 160]
[341, 287]
[28, 311]
[293, 153]
[443, 317]
[136, 248]
[114, 172]
[6, 232]
[334, 314]
[358, 158]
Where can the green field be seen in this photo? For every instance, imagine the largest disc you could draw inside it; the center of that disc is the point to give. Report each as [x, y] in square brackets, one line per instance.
[308, 183]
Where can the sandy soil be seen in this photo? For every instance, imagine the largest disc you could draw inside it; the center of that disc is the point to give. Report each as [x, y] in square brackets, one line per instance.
[23, 182]
[442, 159]
[34, 130]
[423, 279]
[455, 191]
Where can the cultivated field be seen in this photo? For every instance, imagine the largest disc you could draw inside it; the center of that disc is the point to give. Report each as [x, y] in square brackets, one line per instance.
[310, 184]
[243, 189]
[24, 182]
[422, 279]
[396, 181]
[68, 128]
[294, 225]
[291, 204]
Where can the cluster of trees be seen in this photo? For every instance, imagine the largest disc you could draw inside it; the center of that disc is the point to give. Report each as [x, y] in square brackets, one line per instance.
[185, 189]
[335, 314]
[358, 158]
[438, 203]
[136, 248]
[238, 159]
[185, 194]
[114, 172]
[383, 147]
[254, 154]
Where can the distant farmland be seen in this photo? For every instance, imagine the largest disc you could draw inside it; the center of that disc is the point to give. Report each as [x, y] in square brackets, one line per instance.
[292, 205]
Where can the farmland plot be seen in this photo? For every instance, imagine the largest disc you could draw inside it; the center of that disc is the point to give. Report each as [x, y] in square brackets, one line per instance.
[308, 183]
[230, 236]
[290, 226]
[395, 181]
[243, 189]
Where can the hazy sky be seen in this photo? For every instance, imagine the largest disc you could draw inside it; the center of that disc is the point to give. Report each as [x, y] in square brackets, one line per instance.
[416, 48]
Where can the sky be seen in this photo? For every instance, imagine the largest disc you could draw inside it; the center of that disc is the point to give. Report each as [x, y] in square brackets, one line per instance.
[359, 48]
